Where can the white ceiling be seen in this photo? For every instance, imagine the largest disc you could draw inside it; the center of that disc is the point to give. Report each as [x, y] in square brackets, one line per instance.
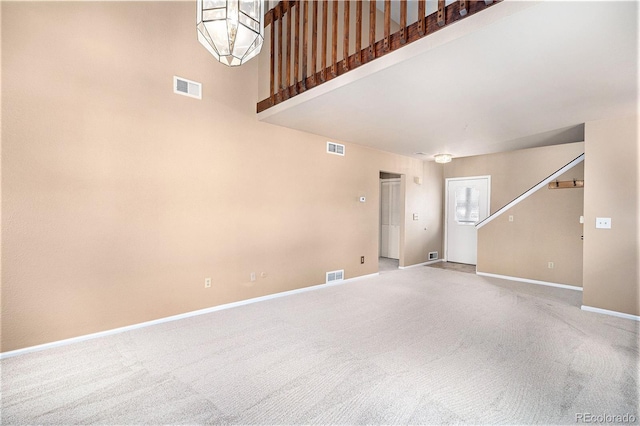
[499, 80]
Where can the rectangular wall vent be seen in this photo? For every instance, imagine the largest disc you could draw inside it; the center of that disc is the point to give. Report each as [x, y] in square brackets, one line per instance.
[185, 87]
[335, 148]
[433, 255]
[335, 276]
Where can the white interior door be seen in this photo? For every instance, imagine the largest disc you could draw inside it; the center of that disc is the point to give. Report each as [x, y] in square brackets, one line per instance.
[390, 218]
[467, 204]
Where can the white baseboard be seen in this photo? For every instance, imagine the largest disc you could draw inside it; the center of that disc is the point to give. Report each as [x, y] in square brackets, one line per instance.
[421, 264]
[85, 337]
[608, 312]
[526, 280]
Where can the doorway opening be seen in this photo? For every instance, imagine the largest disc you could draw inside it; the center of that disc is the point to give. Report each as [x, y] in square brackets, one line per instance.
[391, 223]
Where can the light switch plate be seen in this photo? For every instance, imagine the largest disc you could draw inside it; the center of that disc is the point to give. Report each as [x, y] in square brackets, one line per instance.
[603, 222]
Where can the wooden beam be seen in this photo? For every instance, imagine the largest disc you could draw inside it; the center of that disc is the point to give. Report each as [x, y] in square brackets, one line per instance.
[345, 45]
[441, 13]
[358, 31]
[305, 41]
[387, 23]
[334, 38]
[403, 21]
[372, 29]
[325, 27]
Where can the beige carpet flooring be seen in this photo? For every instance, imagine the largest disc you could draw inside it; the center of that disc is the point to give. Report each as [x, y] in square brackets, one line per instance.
[414, 346]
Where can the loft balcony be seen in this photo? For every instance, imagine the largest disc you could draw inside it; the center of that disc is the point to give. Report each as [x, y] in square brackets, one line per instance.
[313, 42]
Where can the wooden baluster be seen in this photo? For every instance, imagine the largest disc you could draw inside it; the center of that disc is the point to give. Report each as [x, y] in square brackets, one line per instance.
[345, 45]
[358, 32]
[464, 7]
[403, 21]
[296, 48]
[314, 43]
[441, 13]
[387, 23]
[272, 60]
[334, 38]
[288, 64]
[305, 42]
[372, 29]
[325, 27]
[421, 21]
[280, 47]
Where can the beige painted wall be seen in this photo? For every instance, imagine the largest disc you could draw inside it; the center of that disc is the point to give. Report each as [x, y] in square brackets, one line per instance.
[120, 197]
[611, 256]
[546, 228]
[514, 172]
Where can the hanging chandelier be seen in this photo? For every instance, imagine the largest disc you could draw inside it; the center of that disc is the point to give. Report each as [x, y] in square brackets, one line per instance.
[231, 30]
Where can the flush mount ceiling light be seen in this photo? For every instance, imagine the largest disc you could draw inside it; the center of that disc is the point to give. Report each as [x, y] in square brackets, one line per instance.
[443, 158]
[231, 30]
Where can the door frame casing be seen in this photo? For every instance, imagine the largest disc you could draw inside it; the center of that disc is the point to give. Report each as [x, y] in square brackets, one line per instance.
[446, 207]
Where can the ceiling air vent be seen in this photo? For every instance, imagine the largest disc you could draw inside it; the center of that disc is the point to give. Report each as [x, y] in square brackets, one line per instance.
[185, 87]
[335, 276]
[335, 148]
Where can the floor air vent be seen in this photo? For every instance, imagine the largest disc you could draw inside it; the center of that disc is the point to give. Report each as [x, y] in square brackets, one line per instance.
[433, 255]
[335, 148]
[185, 87]
[335, 276]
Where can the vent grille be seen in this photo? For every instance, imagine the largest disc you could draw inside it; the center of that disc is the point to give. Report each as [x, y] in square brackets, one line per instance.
[433, 255]
[185, 87]
[335, 148]
[335, 276]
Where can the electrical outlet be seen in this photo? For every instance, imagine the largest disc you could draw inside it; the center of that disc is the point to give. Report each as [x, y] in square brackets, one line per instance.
[510, 218]
[253, 276]
[603, 222]
[207, 282]
[361, 259]
[550, 265]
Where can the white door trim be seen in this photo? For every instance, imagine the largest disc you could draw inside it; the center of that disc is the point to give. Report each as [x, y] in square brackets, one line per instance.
[446, 205]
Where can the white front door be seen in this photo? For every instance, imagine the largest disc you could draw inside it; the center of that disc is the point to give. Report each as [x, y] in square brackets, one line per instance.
[390, 218]
[467, 204]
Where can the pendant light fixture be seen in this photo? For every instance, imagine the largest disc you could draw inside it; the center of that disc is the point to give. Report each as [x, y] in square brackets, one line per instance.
[231, 30]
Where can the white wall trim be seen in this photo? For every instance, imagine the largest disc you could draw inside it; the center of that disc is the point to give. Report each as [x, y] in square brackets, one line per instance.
[532, 191]
[105, 333]
[431, 262]
[608, 312]
[526, 280]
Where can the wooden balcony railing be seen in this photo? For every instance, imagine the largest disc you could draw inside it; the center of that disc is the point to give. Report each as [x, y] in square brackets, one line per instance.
[294, 68]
